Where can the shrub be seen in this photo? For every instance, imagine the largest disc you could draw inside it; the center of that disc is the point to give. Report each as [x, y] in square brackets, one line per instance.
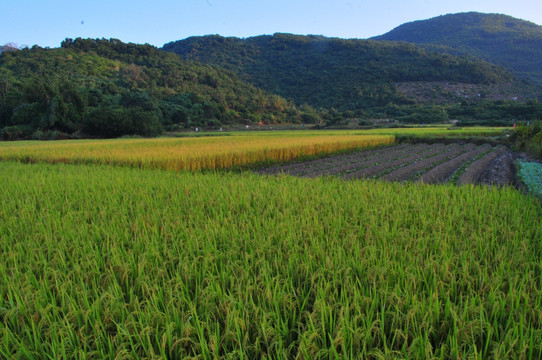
[17, 132]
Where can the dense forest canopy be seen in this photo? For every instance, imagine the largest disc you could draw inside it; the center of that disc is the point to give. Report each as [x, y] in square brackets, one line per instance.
[107, 88]
[501, 39]
[343, 74]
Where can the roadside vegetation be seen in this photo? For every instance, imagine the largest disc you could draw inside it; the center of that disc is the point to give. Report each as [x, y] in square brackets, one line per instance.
[528, 137]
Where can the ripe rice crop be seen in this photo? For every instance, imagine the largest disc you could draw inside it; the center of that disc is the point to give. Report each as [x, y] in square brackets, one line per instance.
[106, 262]
[191, 153]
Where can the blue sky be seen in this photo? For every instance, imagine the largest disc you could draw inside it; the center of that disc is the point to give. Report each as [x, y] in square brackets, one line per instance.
[48, 22]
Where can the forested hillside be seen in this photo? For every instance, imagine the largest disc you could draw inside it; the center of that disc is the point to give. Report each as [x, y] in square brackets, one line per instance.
[107, 88]
[343, 74]
[501, 39]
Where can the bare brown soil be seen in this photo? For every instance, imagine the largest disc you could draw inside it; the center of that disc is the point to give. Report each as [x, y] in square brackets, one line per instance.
[476, 169]
[429, 163]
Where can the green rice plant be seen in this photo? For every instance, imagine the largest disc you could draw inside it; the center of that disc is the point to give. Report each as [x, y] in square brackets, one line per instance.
[105, 262]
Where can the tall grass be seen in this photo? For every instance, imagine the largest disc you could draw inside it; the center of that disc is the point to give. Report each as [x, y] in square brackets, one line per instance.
[106, 262]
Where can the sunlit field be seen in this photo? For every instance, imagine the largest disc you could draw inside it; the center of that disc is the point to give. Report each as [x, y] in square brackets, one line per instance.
[216, 152]
[191, 153]
[105, 262]
[130, 261]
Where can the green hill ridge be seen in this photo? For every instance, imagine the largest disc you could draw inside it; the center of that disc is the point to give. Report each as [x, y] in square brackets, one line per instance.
[338, 73]
[500, 39]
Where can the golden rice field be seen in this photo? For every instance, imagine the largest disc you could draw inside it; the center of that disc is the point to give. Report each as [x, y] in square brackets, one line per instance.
[215, 152]
[189, 153]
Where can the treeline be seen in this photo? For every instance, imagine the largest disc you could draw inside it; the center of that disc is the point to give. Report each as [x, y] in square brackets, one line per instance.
[107, 88]
[490, 113]
[329, 72]
[486, 113]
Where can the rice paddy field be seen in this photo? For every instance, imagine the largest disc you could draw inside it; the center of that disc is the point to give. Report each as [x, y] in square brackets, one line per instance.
[192, 153]
[122, 262]
[216, 152]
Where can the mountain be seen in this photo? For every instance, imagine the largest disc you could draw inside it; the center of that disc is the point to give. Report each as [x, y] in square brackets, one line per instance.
[108, 88]
[500, 39]
[348, 74]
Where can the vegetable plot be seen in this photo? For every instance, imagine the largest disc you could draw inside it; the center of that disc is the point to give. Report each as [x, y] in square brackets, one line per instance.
[437, 163]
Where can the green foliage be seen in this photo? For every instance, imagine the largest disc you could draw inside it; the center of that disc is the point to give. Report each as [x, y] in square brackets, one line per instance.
[531, 174]
[484, 113]
[501, 39]
[108, 88]
[528, 138]
[15, 132]
[330, 72]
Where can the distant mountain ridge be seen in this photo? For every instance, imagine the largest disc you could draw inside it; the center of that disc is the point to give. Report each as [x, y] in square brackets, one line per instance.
[501, 39]
[343, 74]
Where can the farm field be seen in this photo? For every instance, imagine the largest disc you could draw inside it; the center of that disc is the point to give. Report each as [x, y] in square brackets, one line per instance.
[106, 255]
[216, 152]
[190, 153]
[104, 262]
[436, 163]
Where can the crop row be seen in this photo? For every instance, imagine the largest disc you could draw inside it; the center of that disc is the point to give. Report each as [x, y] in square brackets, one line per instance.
[421, 162]
[443, 171]
[477, 168]
[397, 159]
